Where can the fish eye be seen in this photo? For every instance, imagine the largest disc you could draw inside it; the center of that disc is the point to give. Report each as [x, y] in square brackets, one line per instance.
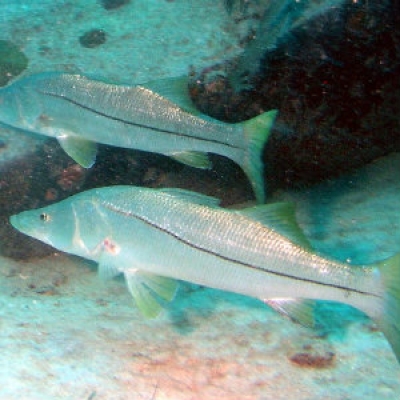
[44, 217]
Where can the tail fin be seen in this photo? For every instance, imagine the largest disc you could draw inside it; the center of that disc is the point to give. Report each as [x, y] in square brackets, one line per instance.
[390, 319]
[256, 133]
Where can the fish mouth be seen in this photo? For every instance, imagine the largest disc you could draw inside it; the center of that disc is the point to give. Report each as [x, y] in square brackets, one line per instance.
[22, 223]
[15, 222]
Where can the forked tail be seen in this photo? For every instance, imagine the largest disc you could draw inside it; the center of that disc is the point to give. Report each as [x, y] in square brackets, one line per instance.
[256, 133]
[389, 321]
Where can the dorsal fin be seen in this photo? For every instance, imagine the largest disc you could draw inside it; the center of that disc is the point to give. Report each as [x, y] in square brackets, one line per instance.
[280, 217]
[175, 90]
[193, 197]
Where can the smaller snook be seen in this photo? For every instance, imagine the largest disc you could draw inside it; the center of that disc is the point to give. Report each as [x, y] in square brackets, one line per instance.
[154, 237]
[157, 117]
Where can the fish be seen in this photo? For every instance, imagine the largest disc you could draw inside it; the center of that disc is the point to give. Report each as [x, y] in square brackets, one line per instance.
[156, 237]
[156, 117]
[278, 22]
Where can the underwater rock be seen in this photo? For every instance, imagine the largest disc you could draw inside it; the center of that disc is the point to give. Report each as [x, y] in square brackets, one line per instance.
[310, 356]
[336, 88]
[12, 61]
[112, 4]
[93, 38]
[71, 178]
[277, 21]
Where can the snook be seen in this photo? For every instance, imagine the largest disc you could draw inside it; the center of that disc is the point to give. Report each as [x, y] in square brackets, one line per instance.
[158, 117]
[156, 236]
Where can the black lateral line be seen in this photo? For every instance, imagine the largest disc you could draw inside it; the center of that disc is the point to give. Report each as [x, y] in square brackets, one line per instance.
[152, 128]
[225, 258]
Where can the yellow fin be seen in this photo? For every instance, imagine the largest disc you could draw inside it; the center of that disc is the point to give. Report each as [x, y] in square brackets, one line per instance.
[80, 150]
[164, 287]
[389, 321]
[256, 132]
[145, 287]
[298, 310]
[194, 159]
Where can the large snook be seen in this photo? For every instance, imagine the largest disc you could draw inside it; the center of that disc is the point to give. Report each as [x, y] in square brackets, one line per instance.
[157, 117]
[156, 236]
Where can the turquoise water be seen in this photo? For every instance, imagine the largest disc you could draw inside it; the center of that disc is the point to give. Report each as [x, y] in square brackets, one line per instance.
[330, 69]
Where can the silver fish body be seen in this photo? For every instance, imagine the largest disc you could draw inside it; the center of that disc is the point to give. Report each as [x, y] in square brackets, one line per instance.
[153, 236]
[81, 112]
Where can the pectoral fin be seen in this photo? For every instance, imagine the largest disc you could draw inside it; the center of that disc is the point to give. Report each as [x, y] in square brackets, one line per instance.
[146, 287]
[80, 150]
[108, 268]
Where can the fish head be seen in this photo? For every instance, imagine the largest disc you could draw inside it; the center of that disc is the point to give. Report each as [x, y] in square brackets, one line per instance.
[33, 103]
[52, 225]
[73, 225]
[20, 105]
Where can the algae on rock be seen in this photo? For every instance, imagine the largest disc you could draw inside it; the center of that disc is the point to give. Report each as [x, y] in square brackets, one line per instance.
[12, 61]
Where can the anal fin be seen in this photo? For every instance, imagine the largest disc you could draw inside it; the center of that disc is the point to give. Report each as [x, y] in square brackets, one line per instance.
[298, 310]
[194, 159]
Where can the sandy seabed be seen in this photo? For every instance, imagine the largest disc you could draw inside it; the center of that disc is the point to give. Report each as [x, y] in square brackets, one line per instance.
[66, 334]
